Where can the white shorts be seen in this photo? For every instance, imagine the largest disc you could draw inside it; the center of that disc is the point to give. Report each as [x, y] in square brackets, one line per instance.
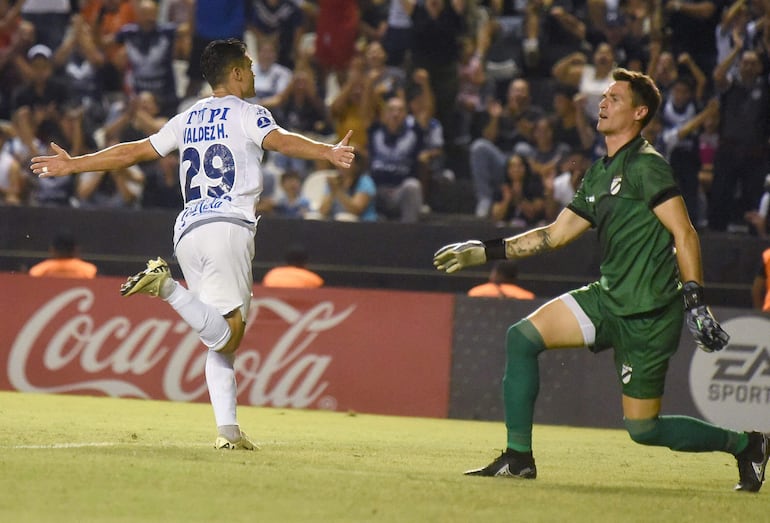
[216, 262]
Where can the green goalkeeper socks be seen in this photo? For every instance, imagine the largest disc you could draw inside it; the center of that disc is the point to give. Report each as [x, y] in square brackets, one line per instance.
[521, 383]
[685, 434]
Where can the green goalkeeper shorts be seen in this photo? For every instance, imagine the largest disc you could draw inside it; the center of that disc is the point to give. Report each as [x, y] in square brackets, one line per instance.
[643, 343]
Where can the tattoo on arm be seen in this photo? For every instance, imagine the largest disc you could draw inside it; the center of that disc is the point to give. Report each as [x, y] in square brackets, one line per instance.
[528, 244]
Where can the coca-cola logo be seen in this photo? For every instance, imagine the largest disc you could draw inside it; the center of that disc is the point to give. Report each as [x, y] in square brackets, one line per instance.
[115, 356]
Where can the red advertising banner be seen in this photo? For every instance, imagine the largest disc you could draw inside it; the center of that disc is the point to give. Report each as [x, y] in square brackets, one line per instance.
[385, 352]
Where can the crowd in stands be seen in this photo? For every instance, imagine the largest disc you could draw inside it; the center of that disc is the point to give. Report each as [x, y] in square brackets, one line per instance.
[496, 100]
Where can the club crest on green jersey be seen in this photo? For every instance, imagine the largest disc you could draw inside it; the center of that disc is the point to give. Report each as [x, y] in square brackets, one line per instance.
[625, 373]
[615, 184]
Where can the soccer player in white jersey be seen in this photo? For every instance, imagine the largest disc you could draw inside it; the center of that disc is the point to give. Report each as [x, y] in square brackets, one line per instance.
[221, 141]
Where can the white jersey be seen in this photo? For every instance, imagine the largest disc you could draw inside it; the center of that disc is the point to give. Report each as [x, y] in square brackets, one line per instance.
[220, 153]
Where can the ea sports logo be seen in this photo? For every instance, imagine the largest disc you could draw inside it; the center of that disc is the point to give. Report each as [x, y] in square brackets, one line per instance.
[732, 387]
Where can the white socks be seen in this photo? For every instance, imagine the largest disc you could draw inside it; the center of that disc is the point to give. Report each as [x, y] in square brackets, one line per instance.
[220, 379]
[204, 319]
[214, 332]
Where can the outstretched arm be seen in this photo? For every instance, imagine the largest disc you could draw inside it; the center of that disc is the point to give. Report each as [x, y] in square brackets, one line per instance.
[567, 227]
[117, 156]
[298, 146]
[456, 256]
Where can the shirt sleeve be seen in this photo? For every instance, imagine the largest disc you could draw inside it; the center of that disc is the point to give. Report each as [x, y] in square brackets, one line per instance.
[258, 122]
[579, 204]
[654, 178]
[166, 139]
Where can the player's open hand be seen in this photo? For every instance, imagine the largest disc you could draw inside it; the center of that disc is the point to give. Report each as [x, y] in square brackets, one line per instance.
[57, 165]
[342, 154]
[455, 256]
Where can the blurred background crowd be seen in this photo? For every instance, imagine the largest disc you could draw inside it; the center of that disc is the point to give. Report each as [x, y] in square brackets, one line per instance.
[482, 109]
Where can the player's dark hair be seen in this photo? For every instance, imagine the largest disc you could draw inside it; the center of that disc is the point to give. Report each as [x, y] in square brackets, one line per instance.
[219, 57]
[643, 91]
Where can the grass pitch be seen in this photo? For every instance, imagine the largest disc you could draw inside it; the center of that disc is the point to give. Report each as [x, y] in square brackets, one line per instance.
[86, 459]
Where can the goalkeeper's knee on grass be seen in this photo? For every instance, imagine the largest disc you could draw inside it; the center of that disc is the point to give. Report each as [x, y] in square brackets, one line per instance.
[643, 431]
[674, 432]
[683, 433]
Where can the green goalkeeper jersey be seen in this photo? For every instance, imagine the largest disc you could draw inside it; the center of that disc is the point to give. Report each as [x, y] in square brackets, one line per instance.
[639, 272]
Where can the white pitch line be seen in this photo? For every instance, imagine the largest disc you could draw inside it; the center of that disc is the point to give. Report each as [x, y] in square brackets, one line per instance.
[63, 445]
[94, 444]
[115, 444]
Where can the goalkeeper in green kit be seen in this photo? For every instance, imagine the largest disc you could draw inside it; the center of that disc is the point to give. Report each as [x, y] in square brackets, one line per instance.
[650, 265]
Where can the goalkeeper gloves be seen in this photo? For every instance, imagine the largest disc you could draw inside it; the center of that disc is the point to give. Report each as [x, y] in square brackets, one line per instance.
[707, 332]
[456, 256]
